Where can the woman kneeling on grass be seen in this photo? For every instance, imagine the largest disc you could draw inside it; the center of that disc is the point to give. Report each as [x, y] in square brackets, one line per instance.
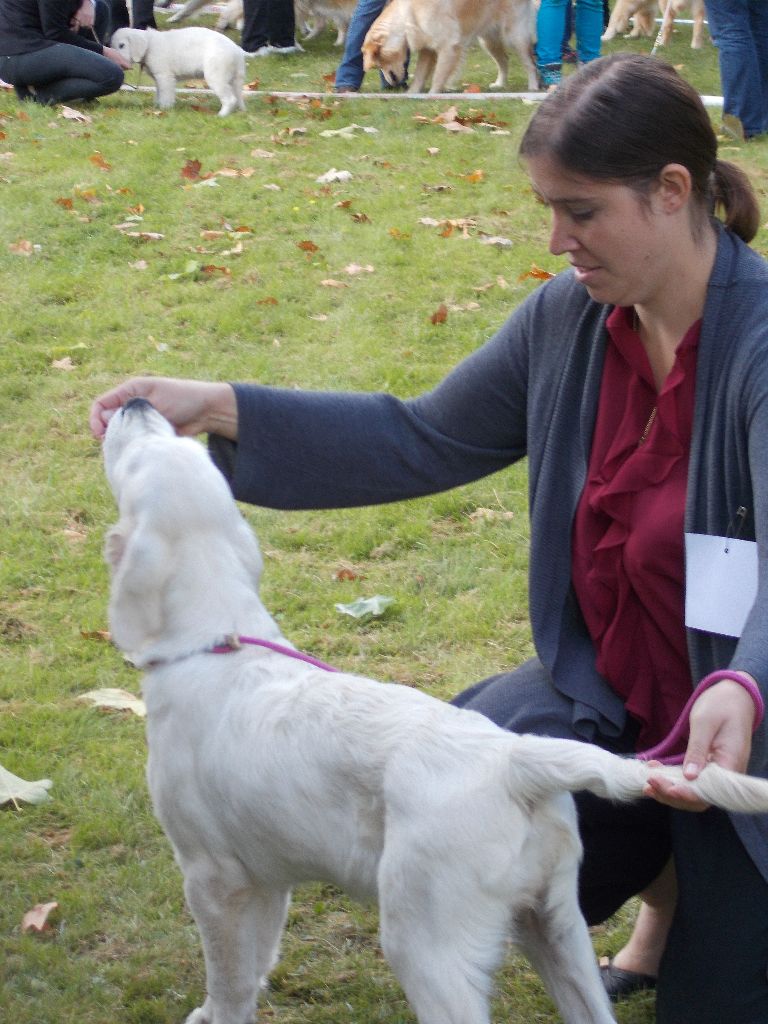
[636, 383]
[50, 54]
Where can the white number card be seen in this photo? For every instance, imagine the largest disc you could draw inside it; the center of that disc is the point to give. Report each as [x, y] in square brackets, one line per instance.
[720, 583]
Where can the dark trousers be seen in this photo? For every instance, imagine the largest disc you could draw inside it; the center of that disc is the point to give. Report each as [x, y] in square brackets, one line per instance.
[268, 23]
[143, 14]
[714, 966]
[61, 73]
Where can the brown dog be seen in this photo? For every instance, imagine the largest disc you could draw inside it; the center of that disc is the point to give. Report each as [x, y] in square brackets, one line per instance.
[643, 14]
[440, 32]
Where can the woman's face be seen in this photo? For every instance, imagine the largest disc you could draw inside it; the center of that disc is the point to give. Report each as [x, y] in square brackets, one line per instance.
[618, 243]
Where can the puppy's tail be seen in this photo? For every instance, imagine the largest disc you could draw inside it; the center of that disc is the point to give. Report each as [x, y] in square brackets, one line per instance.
[542, 766]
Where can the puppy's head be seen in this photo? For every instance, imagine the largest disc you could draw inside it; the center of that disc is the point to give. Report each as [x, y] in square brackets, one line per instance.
[133, 43]
[180, 546]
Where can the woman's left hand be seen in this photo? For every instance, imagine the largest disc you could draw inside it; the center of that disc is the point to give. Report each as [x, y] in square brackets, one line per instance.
[720, 730]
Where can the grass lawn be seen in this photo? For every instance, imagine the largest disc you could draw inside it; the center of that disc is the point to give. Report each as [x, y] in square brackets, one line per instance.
[184, 244]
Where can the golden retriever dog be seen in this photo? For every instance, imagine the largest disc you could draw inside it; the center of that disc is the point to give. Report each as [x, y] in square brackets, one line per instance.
[643, 14]
[268, 769]
[314, 15]
[439, 32]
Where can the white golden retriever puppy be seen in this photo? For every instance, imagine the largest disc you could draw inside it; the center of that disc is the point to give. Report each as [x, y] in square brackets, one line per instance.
[267, 771]
[192, 52]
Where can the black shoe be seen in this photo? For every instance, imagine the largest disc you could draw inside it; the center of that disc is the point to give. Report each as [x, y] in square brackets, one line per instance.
[619, 984]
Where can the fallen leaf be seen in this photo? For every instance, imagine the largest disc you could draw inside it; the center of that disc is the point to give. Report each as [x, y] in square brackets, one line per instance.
[440, 315]
[356, 268]
[346, 572]
[98, 160]
[96, 634]
[36, 919]
[70, 114]
[497, 240]
[490, 514]
[111, 699]
[263, 154]
[474, 177]
[329, 282]
[140, 265]
[432, 150]
[65, 202]
[270, 300]
[536, 273]
[333, 175]
[365, 606]
[144, 236]
[191, 170]
[13, 789]
[22, 248]
[308, 247]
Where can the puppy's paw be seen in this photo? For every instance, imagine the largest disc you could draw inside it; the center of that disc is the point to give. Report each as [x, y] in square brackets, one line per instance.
[201, 1015]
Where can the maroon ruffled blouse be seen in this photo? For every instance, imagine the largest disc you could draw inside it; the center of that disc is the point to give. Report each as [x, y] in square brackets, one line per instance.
[628, 557]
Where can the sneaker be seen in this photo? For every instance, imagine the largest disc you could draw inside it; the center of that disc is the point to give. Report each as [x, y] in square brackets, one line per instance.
[285, 50]
[262, 51]
[345, 88]
[550, 76]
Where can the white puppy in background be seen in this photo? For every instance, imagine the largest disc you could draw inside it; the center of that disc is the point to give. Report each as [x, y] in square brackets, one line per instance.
[191, 52]
[267, 771]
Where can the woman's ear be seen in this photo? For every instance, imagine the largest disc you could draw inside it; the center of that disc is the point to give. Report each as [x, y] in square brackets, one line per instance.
[674, 187]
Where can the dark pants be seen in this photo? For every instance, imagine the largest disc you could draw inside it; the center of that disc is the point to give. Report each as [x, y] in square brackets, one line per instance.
[714, 966]
[61, 73]
[268, 23]
[143, 14]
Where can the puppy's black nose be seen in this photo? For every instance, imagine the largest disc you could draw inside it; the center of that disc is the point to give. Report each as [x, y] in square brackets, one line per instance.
[137, 405]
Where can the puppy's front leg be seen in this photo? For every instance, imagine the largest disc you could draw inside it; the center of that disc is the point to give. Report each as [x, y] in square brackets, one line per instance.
[165, 89]
[240, 926]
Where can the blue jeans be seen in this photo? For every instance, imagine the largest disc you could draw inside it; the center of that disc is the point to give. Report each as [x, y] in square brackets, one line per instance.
[349, 73]
[740, 31]
[60, 73]
[550, 29]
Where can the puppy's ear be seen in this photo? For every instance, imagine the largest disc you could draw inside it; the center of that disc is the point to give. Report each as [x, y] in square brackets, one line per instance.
[139, 45]
[141, 563]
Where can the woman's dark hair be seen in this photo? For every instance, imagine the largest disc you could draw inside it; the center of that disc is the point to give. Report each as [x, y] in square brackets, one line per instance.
[623, 118]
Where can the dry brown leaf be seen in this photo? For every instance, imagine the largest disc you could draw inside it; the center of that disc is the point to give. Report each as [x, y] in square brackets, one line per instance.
[329, 282]
[36, 919]
[21, 248]
[356, 268]
[308, 247]
[191, 170]
[536, 273]
[65, 202]
[208, 236]
[440, 315]
[96, 634]
[474, 176]
[63, 364]
[98, 161]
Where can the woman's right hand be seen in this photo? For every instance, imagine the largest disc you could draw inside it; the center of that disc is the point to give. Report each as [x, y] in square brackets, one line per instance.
[192, 406]
[116, 57]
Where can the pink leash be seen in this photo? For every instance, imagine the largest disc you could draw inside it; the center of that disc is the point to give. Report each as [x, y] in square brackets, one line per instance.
[679, 730]
[234, 644]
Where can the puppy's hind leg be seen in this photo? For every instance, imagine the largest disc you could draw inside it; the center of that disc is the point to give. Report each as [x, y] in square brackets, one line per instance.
[240, 926]
[443, 937]
[556, 940]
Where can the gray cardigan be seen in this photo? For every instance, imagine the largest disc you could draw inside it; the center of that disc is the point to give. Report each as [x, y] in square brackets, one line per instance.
[533, 390]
